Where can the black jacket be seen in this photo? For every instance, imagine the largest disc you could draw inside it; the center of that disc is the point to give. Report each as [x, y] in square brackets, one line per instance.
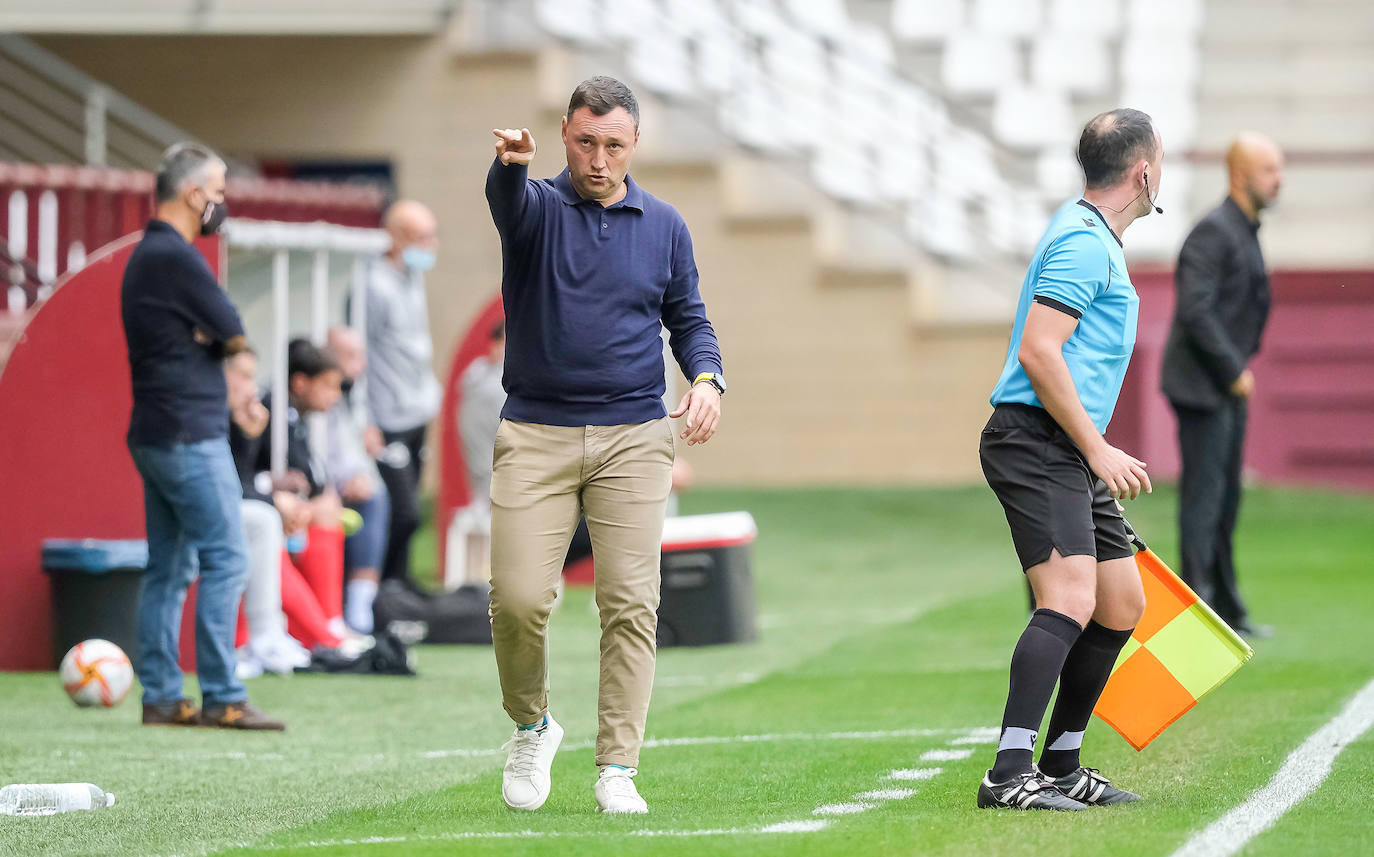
[1222, 305]
[255, 456]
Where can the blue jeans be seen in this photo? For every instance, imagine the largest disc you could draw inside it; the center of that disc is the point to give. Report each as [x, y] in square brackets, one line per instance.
[191, 496]
[367, 547]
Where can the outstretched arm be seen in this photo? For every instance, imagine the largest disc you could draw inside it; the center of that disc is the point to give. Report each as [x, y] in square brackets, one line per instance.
[509, 195]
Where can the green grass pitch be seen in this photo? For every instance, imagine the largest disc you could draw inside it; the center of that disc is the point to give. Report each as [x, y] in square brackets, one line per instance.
[887, 618]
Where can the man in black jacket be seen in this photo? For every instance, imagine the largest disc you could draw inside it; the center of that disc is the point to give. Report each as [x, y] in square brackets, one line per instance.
[1222, 305]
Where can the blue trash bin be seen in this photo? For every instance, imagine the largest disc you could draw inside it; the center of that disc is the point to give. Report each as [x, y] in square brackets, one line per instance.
[95, 584]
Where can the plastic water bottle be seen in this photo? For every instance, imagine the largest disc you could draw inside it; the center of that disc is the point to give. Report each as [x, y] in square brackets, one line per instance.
[52, 798]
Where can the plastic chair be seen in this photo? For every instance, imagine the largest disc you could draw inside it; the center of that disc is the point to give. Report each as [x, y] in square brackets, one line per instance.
[1019, 18]
[1071, 63]
[927, 20]
[978, 64]
[1027, 117]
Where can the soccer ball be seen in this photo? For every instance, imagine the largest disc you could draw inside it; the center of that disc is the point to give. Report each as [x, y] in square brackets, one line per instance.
[97, 672]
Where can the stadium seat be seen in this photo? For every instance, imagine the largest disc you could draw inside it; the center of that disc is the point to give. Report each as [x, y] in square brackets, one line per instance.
[1085, 17]
[633, 19]
[1161, 57]
[660, 61]
[905, 172]
[793, 58]
[577, 20]
[964, 163]
[868, 45]
[1027, 117]
[1019, 18]
[941, 223]
[979, 64]
[843, 167]
[1057, 173]
[927, 21]
[1183, 16]
[819, 17]
[1174, 112]
[759, 18]
[1075, 63]
[720, 61]
[701, 19]
[751, 116]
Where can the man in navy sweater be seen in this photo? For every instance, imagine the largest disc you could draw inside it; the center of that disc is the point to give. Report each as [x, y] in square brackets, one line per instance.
[179, 326]
[594, 268]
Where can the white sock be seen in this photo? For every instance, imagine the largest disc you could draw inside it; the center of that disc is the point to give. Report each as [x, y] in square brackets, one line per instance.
[359, 595]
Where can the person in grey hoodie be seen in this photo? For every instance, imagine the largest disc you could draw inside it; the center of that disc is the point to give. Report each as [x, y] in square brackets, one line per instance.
[402, 393]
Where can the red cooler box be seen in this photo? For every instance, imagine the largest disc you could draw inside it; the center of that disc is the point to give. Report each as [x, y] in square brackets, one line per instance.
[708, 586]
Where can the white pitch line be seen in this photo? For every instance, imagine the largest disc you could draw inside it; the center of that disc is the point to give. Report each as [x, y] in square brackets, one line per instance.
[1302, 772]
[787, 827]
[850, 808]
[810, 825]
[981, 735]
[914, 773]
[945, 755]
[885, 794]
[653, 743]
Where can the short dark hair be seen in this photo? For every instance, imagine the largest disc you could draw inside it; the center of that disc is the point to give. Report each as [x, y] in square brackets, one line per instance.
[304, 357]
[1111, 142]
[601, 95]
[181, 162]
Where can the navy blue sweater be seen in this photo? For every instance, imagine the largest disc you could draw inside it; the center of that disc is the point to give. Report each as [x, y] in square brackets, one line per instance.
[168, 293]
[586, 289]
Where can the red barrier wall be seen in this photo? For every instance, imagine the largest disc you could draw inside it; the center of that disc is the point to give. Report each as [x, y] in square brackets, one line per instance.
[1312, 414]
[65, 471]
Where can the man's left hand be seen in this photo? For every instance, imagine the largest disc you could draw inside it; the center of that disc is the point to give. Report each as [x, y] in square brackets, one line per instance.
[702, 407]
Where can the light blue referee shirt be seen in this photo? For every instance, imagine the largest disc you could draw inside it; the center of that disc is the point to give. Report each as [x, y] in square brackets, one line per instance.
[1079, 269]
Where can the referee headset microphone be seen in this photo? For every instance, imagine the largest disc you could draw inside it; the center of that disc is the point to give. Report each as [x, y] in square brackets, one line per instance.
[1145, 175]
[1158, 210]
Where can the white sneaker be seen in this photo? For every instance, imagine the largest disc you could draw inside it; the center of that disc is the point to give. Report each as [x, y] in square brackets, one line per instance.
[526, 781]
[278, 652]
[616, 792]
[247, 666]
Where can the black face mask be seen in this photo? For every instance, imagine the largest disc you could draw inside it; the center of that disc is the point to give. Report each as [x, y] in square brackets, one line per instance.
[213, 217]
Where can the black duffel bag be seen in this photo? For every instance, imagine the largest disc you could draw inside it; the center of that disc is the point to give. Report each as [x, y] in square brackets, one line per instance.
[460, 616]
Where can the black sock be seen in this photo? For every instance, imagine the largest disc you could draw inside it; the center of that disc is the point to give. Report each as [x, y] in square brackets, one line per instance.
[1085, 673]
[1035, 665]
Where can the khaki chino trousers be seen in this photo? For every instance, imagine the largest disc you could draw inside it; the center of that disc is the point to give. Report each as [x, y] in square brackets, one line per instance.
[543, 478]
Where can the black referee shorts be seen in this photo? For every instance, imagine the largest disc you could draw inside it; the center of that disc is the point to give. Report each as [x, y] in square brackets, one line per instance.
[1052, 498]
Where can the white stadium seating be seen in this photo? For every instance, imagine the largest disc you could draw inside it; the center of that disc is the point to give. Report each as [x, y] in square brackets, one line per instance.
[828, 81]
[927, 20]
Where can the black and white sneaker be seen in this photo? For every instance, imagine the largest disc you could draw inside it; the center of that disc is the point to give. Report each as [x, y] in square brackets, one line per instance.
[1031, 790]
[1088, 786]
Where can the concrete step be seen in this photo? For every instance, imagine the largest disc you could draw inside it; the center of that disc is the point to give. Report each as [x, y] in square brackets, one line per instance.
[1312, 121]
[1331, 70]
[1260, 25]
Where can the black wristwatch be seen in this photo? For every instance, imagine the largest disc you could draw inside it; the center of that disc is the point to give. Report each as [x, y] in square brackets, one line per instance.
[717, 380]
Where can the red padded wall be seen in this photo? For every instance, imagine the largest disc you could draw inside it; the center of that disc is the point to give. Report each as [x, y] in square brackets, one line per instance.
[65, 471]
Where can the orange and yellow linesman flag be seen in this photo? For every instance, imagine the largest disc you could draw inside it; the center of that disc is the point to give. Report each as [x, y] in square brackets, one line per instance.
[1178, 654]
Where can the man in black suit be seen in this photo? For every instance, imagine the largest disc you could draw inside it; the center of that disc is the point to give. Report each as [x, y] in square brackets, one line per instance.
[1222, 305]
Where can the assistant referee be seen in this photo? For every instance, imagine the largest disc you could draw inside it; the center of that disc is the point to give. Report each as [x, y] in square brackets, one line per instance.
[1058, 479]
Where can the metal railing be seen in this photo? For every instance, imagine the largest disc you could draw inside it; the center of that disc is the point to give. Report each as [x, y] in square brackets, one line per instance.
[52, 112]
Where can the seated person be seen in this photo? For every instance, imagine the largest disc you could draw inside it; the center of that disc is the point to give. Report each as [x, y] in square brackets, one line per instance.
[276, 598]
[313, 387]
[483, 398]
[352, 473]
